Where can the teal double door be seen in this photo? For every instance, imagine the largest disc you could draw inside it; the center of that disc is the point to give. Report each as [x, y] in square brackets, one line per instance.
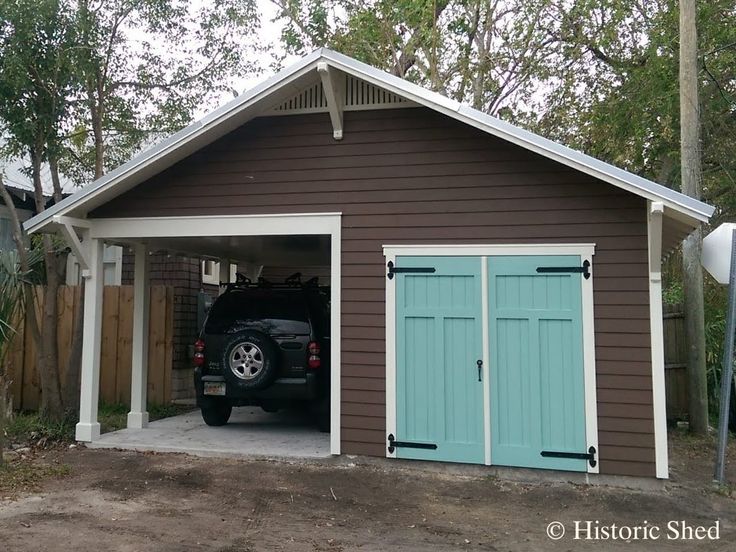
[489, 359]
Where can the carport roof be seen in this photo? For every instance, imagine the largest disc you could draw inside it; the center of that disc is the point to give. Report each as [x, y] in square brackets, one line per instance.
[683, 212]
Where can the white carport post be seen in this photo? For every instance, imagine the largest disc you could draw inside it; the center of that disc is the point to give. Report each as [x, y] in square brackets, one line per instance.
[88, 429]
[138, 415]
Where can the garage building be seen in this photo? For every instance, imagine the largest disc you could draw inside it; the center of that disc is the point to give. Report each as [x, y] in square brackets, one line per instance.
[496, 297]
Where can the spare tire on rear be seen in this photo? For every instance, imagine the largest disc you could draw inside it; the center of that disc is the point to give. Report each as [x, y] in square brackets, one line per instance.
[249, 360]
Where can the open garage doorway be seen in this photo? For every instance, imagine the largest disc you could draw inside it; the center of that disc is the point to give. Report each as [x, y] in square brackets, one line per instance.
[278, 258]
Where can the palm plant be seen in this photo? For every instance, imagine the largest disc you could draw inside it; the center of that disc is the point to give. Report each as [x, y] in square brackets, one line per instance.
[15, 287]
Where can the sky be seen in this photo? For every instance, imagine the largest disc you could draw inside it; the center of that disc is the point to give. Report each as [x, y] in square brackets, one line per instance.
[269, 33]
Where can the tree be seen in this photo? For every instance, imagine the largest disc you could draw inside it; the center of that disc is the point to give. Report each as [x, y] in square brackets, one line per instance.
[618, 99]
[490, 54]
[692, 247]
[84, 85]
[146, 67]
[36, 80]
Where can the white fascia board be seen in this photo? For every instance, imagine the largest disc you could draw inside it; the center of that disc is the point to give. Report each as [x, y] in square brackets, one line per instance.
[697, 210]
[198, 129]
[206, 226]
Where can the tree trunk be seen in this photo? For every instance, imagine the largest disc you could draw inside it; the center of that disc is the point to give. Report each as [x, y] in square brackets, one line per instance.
[48, 355]
[692, 246]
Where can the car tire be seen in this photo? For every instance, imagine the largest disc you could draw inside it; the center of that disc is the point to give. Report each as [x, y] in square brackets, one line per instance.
[217, 413]
[249, 360]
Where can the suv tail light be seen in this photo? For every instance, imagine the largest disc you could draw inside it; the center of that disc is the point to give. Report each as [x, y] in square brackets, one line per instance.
[314, 361]
[199, 353]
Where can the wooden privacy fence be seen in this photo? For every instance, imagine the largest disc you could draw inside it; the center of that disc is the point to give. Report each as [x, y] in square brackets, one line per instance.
[116, 346]
[675, 362]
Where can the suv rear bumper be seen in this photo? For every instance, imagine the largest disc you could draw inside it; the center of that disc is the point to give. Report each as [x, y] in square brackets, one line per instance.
[281, 390]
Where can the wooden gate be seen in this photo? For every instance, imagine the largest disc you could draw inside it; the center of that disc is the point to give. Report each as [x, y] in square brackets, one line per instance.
[115, 358]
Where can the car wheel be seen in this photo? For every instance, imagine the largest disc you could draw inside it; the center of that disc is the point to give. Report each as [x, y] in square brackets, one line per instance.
[249, 360]
[216, 413]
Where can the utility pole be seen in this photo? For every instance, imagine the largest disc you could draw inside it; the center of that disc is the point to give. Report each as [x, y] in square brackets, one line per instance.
[692, 272]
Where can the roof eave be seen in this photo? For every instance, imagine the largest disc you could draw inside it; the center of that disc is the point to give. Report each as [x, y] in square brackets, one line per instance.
[43, 220]
[689, 208]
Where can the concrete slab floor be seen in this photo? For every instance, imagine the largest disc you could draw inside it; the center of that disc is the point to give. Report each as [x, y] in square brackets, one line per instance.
[250, 432]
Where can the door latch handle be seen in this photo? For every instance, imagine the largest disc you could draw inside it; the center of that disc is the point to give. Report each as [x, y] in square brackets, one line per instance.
[480, 368]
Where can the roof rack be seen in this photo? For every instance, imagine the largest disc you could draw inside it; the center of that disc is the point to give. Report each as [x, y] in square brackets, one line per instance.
[292, 282]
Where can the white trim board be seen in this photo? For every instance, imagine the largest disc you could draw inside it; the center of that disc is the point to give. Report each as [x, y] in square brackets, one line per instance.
[659, 394]
[490, 250]
[585, 251]
[140, 228]
[219, 225]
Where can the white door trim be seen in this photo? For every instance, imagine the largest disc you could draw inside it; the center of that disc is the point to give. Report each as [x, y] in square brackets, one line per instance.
[140, 228]
[390, 355]
[584, 250]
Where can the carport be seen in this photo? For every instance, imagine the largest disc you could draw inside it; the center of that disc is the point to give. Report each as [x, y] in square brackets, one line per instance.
[241, 237]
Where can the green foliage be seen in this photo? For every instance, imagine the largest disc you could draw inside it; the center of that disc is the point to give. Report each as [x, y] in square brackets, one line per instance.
[12, 280]
[36, 73]
[146, 67]
[617, 97]
[29, 428]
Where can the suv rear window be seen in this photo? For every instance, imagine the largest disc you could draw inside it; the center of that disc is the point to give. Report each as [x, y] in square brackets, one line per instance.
[257, 304]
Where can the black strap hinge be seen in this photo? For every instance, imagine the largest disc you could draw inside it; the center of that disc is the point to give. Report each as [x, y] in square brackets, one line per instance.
[589, 456]
[584, 270]
[393, 444]
[407, 270]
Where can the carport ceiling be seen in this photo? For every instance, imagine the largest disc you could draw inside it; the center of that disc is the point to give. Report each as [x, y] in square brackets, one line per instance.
[274, 251]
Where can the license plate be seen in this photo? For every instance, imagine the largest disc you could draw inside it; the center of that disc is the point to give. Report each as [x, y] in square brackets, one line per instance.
[214, 388]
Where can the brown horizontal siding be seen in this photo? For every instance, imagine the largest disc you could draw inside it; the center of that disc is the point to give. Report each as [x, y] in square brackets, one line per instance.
[413, 176]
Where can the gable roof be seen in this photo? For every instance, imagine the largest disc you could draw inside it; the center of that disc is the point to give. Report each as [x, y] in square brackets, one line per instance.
[684, 211]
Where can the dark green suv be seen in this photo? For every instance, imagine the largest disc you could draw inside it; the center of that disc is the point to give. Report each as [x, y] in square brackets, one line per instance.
[265, 345]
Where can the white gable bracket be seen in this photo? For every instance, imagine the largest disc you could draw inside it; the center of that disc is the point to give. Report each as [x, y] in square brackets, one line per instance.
[68, 226]
[334, 95]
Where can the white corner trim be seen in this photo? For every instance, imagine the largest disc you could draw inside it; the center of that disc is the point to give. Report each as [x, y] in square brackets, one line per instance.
[589, 375]
[391, 397]
[583, 249]
[659, 394]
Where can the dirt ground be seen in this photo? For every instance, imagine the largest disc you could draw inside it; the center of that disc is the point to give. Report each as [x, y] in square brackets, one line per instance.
[124, 501]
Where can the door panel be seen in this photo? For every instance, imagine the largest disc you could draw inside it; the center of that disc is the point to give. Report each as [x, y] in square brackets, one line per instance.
[536, 351]
[439, 399]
